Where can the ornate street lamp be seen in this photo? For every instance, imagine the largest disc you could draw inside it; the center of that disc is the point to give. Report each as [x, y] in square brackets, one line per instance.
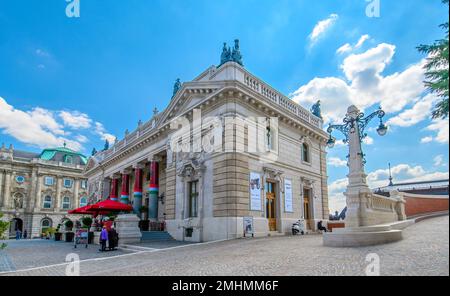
[353, 130]
[358, 121]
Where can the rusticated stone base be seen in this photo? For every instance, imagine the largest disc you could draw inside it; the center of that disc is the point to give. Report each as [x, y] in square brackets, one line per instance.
[127, 226]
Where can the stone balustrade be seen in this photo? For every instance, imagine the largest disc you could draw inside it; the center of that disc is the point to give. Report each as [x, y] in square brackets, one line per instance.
[385, 209]
[281, 100]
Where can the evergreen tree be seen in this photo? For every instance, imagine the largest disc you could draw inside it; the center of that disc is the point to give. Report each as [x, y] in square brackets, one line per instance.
[437, 70]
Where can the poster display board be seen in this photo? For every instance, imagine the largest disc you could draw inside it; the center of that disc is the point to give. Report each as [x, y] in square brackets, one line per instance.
[81, 237]
[248, 226]
[288, 196]
[255, 191]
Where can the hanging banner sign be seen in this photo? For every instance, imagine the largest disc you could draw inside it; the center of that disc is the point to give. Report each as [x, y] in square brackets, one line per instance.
[255, 191]
[288, 196]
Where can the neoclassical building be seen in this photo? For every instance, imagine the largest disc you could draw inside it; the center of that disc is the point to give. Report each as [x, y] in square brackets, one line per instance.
[228, 148]
[37, 190]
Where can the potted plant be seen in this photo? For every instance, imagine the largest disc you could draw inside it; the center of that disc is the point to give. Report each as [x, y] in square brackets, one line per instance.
[86, 221]
[58, 234]
[69, 234]
[69, 225]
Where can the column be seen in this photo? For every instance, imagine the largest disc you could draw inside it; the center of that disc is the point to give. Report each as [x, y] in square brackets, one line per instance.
[114, 185]
[125, 189]
[76, 201]
[357, 189]
[38, 202]
[58, 194]
[137, 191]
[1, 189]
[32, 200]
[7, 193]
[153, 190]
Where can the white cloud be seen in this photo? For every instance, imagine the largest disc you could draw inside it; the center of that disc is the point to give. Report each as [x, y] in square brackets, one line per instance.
[81, 139]
[427, 139]
[344, 48]
[380, 178]
[321, 27]
[41, 52]
[439, 160]
[75, 119]
[337, 162]
[44, 128]
[336, 198]
[403, 173]
[37, 127]
[420, 111]
[368, 140]
[348, 48]
[365, 86]
[441, 127]
[361, 40]
[101, 131]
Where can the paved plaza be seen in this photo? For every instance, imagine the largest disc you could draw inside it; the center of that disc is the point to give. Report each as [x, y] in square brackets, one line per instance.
[424, 251]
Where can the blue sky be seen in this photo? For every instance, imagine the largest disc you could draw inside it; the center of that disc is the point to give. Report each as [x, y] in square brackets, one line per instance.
[89, 78]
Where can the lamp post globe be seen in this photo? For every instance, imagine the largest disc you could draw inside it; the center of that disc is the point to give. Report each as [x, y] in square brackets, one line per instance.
[382, 129]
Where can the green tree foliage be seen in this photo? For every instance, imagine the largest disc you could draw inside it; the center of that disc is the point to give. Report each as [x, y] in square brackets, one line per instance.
[3, 227]
[437, 70]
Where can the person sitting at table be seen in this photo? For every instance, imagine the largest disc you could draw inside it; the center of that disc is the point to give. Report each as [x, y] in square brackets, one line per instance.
[320, 226]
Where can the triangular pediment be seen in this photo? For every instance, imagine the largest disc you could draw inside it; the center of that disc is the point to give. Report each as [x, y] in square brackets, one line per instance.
[91, 164]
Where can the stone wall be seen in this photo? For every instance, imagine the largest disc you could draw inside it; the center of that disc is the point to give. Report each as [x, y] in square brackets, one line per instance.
[170, 195]
[230, 188]
[417, 204]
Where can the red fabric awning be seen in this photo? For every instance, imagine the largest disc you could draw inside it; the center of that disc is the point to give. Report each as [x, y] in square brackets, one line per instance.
[110, 205]
[82, 210]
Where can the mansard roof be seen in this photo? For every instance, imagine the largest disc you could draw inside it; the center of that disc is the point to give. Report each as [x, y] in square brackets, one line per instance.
[51, 153]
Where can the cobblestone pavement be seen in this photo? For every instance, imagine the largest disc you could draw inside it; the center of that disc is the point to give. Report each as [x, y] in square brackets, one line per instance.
[424, 251]
[24, 254]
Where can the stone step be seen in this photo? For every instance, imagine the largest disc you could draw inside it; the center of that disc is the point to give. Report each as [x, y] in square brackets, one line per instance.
[155, 236]
[135, 248]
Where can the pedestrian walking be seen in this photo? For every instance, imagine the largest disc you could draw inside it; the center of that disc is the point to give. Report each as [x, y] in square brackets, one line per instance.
[113, 239]
[103, 239]
[18, 234]
[25, 234]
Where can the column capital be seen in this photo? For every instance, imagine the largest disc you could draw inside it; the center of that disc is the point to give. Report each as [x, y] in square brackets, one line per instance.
[154, 158]
[126, 171]
[115, 176]
[139, 165]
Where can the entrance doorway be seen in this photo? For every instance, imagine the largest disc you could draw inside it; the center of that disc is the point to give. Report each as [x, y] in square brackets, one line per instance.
[16, 224]
[271, 206]
[307, 208]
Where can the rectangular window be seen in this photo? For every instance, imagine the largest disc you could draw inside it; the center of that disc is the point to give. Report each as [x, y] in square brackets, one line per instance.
[83, 184]
[193, 198]
[67, 183]
[48, 181]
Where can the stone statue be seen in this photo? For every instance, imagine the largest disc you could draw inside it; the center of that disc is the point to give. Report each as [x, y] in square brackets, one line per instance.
[106, 145]
[315, 109]
[17, 202]
[236, 55]
[226, 54]
[176, 86]
[94, 151]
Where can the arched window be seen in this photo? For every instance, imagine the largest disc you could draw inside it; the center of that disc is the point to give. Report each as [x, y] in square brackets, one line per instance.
[47, 202]
[68, 159]
[83, 201]
[46, 223]
[66, 203]
[305, 153]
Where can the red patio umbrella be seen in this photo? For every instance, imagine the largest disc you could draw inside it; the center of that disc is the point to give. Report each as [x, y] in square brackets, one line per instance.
[109, 205]
[82, 210]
